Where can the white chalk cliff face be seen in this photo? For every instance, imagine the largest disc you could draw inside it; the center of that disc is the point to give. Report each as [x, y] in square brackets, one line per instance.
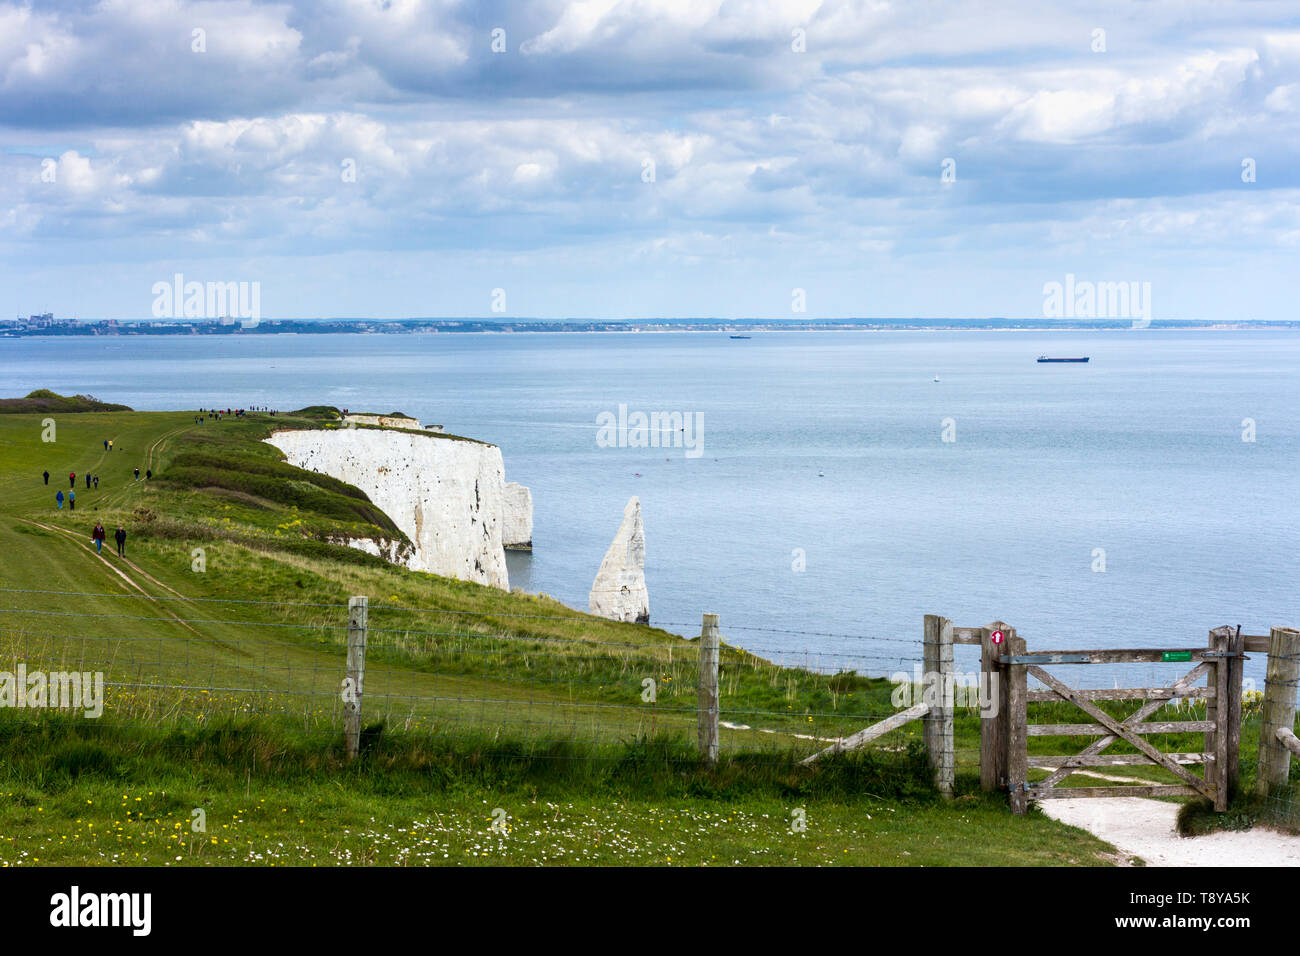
[446, 495]
[619, 591]
[517, 523]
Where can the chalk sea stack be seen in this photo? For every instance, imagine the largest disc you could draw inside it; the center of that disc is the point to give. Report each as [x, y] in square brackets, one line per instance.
[517, 519]
[619, 591]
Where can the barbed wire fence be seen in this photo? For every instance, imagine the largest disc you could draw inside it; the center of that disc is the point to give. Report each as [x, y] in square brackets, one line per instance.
[549, 686]
[461, 676]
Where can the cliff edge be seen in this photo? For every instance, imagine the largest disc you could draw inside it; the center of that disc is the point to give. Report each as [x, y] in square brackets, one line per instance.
[446, 494]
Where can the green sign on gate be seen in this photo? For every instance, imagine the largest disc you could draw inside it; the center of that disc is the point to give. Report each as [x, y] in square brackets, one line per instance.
[1176, 656]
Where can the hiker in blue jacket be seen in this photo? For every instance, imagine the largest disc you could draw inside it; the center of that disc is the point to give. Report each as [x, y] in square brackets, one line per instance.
[59, 499]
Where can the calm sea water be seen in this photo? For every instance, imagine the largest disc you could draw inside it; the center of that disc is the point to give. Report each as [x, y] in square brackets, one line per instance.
[829, 446]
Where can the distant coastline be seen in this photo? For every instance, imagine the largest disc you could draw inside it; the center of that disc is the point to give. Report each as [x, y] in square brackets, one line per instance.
[47, 326]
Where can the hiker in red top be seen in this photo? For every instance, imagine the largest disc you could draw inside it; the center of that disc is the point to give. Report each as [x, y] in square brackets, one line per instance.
[72, 479]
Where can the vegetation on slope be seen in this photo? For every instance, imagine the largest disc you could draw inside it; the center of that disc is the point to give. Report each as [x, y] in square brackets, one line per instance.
[44, 400]
[222, 637]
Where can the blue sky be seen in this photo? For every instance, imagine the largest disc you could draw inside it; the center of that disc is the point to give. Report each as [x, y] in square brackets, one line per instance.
[795, 145]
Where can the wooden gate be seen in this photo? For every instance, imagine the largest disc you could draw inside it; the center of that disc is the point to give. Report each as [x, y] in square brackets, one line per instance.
[1219, 666]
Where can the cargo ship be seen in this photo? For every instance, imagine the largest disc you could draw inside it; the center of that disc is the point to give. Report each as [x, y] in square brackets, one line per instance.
[1048, 358]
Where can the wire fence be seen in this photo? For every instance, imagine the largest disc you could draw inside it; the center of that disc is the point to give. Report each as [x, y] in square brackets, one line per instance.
[457, 675]
[553, 685]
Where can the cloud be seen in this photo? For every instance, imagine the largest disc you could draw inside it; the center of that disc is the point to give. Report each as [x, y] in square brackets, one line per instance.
[391, 126]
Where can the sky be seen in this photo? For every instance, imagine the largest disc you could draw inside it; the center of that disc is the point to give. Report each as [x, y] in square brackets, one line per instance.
[638, 158]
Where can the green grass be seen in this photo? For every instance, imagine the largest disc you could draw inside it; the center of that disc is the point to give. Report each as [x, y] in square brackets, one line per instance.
[76, 792]
[227, 691]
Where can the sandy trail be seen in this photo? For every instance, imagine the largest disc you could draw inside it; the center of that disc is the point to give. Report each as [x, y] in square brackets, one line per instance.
[77, 540]
[1145, 828]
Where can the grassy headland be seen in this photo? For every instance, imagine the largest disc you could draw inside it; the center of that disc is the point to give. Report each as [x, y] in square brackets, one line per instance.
[221, 635]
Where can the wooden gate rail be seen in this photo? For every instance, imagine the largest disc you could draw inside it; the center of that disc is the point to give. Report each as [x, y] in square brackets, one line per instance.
[1005, 730]
[1130, 730]
[1220, 663]
[864, 737]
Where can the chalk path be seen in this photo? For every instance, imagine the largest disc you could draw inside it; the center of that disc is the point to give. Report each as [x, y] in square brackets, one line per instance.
[1145, 828]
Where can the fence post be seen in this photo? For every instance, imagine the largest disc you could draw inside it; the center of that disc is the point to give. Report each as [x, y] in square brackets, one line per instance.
[1017, 708]
[938, 723]
[358, 608]
[1279, 708]
[707, 707]
[1231, 711]
[993, 729]
[1222, 712]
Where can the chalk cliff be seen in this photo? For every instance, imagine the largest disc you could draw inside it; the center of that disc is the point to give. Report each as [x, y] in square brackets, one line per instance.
[517, 524]
[619, 591]
[446, 494]
[390, 421]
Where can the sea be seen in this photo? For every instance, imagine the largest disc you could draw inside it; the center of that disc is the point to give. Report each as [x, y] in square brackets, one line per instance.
[838, 485]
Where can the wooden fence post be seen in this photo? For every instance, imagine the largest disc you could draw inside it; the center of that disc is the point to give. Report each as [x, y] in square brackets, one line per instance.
[707, 707]
[936, 650]
[1279, 708]
[1222, 714]
[1017, 717]
[1231, 711]
[358, 608]
[993, 728]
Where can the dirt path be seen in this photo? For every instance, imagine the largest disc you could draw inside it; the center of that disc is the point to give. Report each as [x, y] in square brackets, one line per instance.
[89, 550]
[1145, 828]
[162, 438]
[763, 730]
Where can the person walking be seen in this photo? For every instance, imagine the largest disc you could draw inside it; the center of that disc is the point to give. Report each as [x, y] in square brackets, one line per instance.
[87, 480]
[148, 473]
[98, 536]
[120, 537]
[137, 474]
[72, 501]
[47, 476]
[105, 444]
[72, 479]
[110, 444]
[97, 482]
[59, 499]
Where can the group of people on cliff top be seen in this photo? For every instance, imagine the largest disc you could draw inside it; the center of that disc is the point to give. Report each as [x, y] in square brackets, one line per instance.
[216, 414]
[92, 481]
[98, 535]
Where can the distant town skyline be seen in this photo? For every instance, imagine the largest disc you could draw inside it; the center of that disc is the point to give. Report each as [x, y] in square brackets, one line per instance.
[614, 160]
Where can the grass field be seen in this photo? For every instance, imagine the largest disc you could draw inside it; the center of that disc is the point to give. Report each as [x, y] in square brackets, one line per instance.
[222, 638]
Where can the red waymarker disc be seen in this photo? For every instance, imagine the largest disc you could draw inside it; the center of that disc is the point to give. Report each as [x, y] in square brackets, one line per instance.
[996, 637]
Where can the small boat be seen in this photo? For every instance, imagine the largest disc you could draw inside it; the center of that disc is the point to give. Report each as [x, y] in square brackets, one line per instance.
[742, 336]
[1048, 358]
[936, 378]
[821, 474]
